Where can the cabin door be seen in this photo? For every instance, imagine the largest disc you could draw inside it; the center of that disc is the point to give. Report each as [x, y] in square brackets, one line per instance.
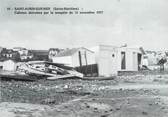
[113, 64]
[123, 61]
[139, 60]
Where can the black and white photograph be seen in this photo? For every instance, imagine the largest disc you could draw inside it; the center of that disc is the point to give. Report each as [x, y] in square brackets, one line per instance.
[83, 58]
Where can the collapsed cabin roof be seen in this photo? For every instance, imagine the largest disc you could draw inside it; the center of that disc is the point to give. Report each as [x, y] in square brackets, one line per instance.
[50, 63]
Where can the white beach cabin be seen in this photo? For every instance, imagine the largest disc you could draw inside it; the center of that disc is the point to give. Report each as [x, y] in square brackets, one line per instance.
[112, 59]
[9, 65]
[75, 57]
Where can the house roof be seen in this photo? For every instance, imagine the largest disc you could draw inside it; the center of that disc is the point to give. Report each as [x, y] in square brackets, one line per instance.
[70, 52]
[19, 48]
[55, 49]
[8, 51]
[7, 59]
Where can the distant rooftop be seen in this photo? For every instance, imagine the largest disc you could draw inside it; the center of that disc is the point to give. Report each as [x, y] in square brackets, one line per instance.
[19, 48]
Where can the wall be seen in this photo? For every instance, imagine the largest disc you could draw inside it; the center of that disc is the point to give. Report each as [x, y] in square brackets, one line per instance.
[9, 65]
[131, 59]
[107, 61]
[67, 60]
[88, 60]
[135, 61]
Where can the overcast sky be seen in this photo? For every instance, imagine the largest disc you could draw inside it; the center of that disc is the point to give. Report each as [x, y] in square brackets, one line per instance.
[135, 22]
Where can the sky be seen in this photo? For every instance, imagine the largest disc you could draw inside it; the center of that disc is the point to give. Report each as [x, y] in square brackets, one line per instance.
[132, 22]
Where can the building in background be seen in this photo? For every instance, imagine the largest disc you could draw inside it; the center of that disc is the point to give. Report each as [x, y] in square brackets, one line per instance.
[1, 48]
[41, 55]
[151, 59]
[9, 54]
[53, 52]
[25, 54]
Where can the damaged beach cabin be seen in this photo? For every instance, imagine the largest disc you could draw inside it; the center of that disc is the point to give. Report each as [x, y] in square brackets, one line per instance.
[82, 59]
[102, 60]
[111, 59]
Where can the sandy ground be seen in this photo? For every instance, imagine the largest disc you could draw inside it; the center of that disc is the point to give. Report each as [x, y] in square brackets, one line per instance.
[125, 96]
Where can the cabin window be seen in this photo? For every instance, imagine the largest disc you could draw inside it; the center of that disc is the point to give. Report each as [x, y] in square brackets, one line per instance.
[123, 60]
[113, 55]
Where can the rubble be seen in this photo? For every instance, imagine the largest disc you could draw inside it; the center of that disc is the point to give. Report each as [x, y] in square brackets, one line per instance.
[77, 97]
